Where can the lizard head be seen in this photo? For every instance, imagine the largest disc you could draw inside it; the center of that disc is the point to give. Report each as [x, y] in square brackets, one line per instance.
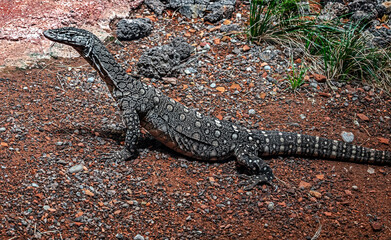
[80, 39]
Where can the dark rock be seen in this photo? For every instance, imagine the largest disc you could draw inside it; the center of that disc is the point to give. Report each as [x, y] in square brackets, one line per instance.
[131, 29]
[365, 10]
[162, 61]
[182, 47]
[230, 28]
[219, 13]
[157, 6]
[197, 8]
[333, 10]
[380, 37]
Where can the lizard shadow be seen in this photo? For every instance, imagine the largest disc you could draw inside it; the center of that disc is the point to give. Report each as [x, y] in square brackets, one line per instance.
[146, 141]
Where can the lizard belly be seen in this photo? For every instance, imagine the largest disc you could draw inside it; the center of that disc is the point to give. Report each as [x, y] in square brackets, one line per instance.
[179, 142]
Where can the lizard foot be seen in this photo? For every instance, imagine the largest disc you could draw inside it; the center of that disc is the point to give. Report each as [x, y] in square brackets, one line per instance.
[253, 180]
[120, 156]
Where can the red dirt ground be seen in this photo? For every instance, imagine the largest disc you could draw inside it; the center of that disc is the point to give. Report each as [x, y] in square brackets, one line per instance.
[55, 119]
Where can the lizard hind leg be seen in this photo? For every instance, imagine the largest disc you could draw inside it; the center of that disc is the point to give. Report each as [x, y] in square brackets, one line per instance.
[261, 171]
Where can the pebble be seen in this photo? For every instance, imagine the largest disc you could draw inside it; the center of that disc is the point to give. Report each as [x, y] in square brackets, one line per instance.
[354, 187]
[2, 129]
[76, 168]
[138, 237]
[213, 85]
[46, 207]
[371, 170]
[302, 116]
[190, 70]
[267, 67]
[34, 185]
[251, 111]
[270, 206]
[90, 80]
[347, 137]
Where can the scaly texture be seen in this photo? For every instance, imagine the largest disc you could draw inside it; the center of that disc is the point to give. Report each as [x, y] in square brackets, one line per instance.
[193, 134]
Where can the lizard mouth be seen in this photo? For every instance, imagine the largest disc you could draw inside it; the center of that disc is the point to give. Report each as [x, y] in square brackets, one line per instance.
[49, 34]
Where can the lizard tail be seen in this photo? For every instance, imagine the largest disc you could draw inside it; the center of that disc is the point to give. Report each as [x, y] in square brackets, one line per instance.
[285, 143]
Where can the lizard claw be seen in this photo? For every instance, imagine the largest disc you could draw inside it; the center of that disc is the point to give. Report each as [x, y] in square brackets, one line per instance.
[120, 156]
[254, 180]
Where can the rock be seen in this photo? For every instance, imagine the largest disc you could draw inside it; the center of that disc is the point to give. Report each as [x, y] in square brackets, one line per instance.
[294, 53]
[76, 168]
[163, 61]
[157, 6]
[371, 170]
[182, 47]
[270, 206]
[365, 10]
[384, 140]
[347, 137]
[377, 226]
[2, 129]
[251, 112]
[316, 194]
[380, 37]
[333, 10]
[303, 184]
[354, 187]
[230, 28]
[219, 13]
[319, 77]
[131, 29]
[158, 62]
[362, 117]
[138, 237]
[387, 6]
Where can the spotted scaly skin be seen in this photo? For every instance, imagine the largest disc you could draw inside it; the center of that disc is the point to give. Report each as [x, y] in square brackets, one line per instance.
[193, 134]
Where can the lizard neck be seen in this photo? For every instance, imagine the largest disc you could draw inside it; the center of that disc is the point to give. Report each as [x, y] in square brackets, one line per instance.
[108, 68]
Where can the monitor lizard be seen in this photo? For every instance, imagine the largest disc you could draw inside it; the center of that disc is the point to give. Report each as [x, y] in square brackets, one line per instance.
[194, 134]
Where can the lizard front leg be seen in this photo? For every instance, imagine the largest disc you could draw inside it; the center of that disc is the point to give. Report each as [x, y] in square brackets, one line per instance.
[129, 152]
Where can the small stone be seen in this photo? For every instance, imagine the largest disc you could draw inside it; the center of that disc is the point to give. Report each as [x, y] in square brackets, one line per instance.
[34, 185]
[371, 170]
[170, 80]
[76, 168]
[362, 117]
[377, 226]
[138, 237]
[319, 77]
[303, 184]
[315, 194]
[267, 67]
[251, 111]
[270, 206]
[347, 137]
[46, 207]
[302, 116]
[213, 85]
[59, 143]
[90, 79]
[190, 70]
[246, 48]
[354, 187]
[2, 129]
[88, 192]
[384, 140]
